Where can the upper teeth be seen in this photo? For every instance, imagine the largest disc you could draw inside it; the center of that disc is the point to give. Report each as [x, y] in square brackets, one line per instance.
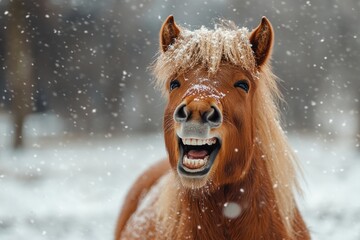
[193, 141]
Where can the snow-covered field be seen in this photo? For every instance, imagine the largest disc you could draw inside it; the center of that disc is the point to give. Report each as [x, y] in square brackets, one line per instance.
[61, 188]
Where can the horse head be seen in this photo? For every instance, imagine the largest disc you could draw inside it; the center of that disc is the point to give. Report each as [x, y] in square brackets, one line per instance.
[210, 82]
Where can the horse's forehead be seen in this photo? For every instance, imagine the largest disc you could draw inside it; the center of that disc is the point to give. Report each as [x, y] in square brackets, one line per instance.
[201, 79]
[201, 85]
[202, 76]
[202, 91]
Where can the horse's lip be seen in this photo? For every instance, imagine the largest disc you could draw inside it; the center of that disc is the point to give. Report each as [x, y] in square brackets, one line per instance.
[184, 171]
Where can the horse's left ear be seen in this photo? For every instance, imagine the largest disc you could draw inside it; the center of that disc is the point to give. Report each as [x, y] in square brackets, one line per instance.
[168, 33]
[261, 40]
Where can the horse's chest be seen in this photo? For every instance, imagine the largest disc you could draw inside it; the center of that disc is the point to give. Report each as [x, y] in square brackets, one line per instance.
[142, 224]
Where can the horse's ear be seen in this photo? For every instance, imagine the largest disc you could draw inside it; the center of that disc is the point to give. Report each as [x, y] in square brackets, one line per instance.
[168, 33]
[261, 40]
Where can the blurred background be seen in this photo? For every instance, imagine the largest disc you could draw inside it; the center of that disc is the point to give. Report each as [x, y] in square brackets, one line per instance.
[80, 119]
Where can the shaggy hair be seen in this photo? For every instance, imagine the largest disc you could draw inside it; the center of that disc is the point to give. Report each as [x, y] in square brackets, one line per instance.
[206, 48]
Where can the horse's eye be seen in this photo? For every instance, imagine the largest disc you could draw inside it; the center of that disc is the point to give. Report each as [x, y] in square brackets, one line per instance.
[174, 84]
[243, 84]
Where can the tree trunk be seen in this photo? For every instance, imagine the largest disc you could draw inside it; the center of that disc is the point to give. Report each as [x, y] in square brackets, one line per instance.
[357, 128]
[19, 67]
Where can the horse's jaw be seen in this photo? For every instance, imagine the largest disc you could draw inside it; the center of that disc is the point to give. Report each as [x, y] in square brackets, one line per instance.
[196, 159]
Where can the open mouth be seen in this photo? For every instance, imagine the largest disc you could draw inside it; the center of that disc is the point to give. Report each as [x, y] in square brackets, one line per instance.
[197, 155]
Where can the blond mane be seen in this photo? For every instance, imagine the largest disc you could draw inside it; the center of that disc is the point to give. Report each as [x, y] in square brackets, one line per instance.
[206, 48]
[281, 160]
[228, 43]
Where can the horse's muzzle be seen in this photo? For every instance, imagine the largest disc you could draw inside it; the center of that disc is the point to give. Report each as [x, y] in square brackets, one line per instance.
[198, 145]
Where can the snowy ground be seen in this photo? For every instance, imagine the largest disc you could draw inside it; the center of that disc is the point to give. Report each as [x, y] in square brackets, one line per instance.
[73, 188]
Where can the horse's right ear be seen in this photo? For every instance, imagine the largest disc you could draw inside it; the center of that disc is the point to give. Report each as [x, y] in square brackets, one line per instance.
[168, 33]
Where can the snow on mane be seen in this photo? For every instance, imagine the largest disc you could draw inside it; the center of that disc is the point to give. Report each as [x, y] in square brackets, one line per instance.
[205, 48]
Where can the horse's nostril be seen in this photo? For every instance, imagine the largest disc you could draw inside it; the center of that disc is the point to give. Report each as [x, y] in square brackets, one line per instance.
[213, 117]
[181, 114]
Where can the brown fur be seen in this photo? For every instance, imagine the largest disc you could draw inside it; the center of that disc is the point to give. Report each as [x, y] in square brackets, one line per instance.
[139, 189]
[255, 169]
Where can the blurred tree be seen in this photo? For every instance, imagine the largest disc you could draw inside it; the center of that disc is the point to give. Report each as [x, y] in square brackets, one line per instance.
[19, 62]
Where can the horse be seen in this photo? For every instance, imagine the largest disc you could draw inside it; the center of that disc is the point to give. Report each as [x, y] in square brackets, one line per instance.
[230, 172]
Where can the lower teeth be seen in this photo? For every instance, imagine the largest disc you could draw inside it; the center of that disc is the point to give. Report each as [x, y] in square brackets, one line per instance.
[195, 163]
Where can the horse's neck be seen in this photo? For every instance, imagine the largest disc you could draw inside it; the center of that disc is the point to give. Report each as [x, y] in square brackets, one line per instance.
[233, 211]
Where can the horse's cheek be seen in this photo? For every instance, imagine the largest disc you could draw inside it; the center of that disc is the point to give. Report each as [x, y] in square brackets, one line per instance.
[171, 146]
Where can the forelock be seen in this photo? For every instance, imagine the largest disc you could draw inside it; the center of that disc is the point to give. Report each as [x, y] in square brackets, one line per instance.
[205, 48]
